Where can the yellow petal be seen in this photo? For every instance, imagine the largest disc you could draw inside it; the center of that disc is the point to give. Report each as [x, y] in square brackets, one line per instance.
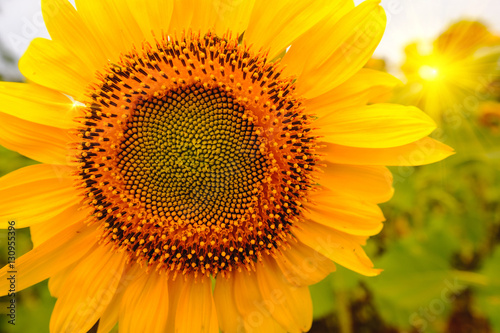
[145, 306]
[51, 257]
[42, 143]
[66, 26]
[375, 126]
[423, 151]
[175, 288]
[57, 281]
[50, 64]
[233, 15]
[341, 48]
[303, 266]
[256, 309]
[348, 215]
[112, 23]
[87, 291]
[362, 183]
[364, 87]
[196, 310]
[197, 15]
[35, 194]
[340, 247]
[36, 104]
[463, 38]
[42, 232]
[294, 311]
[295, 57]
[274, 27]
[228, 316]
[152, 16]
[346, 221]
[110, 316]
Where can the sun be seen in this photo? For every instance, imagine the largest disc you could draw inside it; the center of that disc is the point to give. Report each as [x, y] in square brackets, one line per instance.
[429, 73]
[458, 68]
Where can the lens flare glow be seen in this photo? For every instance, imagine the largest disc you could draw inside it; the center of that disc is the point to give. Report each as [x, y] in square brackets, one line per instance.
[428, 73]
[453, 76]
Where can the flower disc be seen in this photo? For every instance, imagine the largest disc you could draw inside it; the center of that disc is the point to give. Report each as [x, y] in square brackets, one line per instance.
[196, 154]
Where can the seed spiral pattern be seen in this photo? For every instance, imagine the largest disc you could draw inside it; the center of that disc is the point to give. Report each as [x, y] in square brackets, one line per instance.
[195, 161]
[195, 155]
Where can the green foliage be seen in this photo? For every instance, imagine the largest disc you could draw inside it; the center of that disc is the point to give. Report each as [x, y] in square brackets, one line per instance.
[324, 298]
[36, 304]
[488, 296]
[10, 161]
[415, 271]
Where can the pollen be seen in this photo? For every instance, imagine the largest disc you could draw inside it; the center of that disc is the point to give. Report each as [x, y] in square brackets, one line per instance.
[195, 154]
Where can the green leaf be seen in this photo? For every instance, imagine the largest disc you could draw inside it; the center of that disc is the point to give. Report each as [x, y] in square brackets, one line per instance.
[322, 294]
[33, 309]
[417, 285]
[10, 161]
[488, 296]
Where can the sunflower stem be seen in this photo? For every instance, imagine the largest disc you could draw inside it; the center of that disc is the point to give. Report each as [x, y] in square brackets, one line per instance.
[471, 277]
[344, 313]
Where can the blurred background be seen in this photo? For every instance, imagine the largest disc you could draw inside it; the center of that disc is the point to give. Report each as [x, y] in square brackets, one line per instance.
[440, 247]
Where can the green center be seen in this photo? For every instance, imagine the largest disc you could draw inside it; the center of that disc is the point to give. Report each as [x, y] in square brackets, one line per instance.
[191, 154]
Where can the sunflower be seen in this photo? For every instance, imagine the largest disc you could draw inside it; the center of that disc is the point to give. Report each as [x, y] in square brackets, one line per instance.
[452, 77]
[191, 144]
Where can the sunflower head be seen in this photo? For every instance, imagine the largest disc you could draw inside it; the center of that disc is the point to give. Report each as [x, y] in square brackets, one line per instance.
[195, 154]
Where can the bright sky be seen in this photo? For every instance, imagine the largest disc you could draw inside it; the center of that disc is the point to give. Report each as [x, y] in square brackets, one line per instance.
[408, 20]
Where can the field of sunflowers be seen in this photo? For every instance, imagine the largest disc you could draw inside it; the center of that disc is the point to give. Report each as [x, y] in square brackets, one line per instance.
[439, 248]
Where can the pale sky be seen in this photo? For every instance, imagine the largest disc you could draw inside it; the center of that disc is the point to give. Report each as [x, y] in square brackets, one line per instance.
[408, 20]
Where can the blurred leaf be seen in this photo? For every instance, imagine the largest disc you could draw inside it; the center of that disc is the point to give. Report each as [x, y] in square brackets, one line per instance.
[322, 294]
[344, 279]
[10, 161]
[33, 309]
[488, 297]
[38, 311]
[415, 274]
